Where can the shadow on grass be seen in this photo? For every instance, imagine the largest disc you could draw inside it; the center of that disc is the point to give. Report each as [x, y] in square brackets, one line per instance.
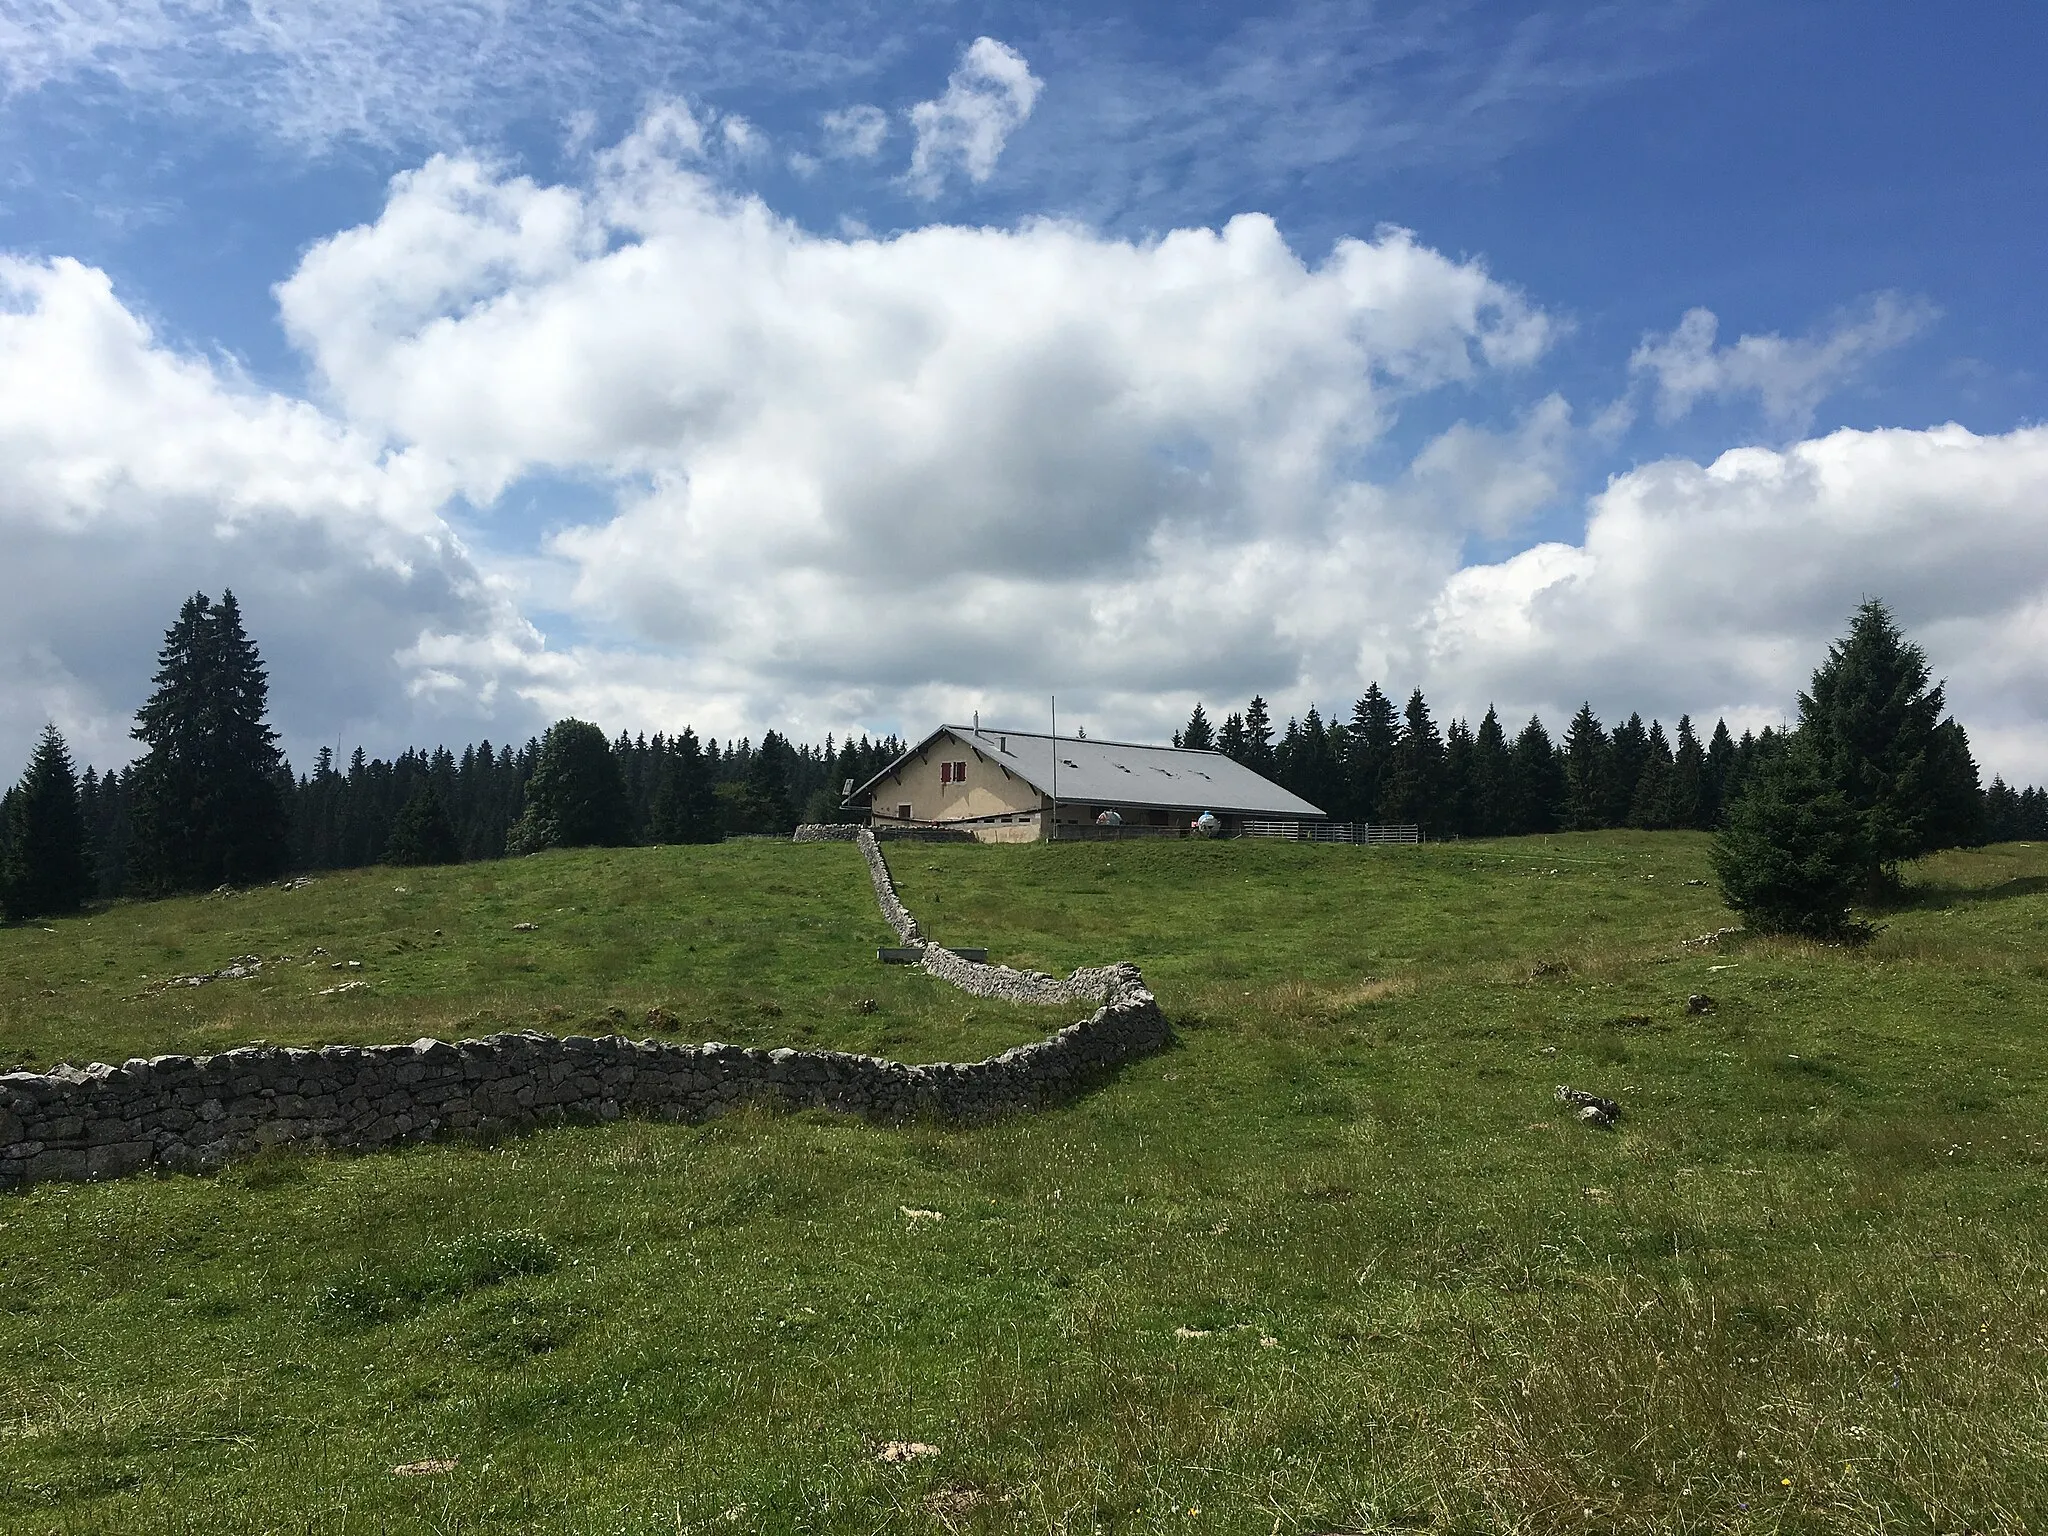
[1937, 894]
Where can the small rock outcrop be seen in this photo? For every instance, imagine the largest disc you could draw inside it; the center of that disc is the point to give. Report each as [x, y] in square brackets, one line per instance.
[1589, 1108]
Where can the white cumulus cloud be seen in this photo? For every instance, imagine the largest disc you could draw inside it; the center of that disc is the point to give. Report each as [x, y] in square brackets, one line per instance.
[872, 481]
[861, 474]
[131, 476]
[987, 99]
[1717, 588]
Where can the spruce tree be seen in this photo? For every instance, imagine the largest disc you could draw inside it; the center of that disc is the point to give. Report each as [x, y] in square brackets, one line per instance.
[1454, 800]
[1688, 776]
[2001, 811]
[685, 806]
[1795, 852]
[1258, 738]
[767, 788]
[1287, 756]
[1230, 739]
[112, 838]
[208, 806]
[1416, 779]
[1714, 783]
[1955, 803]
[1585, 772]
[1318, 764]
[576, 797]
[1538, 779]
[1369, 753]
[1628, 754]
[1492, 778]
[1198, 735]
[1650, 807]
[1874, 726]
[45, 871]
[2034, 813]
[422, 832]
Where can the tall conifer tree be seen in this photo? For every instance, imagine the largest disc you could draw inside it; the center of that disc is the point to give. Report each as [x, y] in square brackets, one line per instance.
[1688, 776]
[1875, 728]
[1585, 772]
[1492, 778]
[576, 797]
[1628, 753]
[1720, 772]
[1416, 780]
[1369, 753]
[1454, 800]
[1230, 739]
[45, 870]
[685, 808]
[1540, 791]
[1258, 738]
[208, 800]
[1650, 806]
[422, 832]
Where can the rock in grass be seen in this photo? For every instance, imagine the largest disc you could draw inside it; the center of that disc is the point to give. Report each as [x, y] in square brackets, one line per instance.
[1589, 1108]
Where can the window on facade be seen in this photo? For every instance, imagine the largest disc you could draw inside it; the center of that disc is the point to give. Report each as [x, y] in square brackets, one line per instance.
[903, 813]
[952, 773]
[945, 773]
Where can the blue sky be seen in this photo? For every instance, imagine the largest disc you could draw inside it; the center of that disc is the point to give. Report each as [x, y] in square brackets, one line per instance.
[1854, 195]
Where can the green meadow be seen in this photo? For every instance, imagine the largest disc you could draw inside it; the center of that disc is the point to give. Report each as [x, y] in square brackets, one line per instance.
[1335, 1262]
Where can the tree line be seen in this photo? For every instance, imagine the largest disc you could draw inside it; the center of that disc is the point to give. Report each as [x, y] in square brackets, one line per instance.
[211, 800]
[1399, 768]
[1874, 773]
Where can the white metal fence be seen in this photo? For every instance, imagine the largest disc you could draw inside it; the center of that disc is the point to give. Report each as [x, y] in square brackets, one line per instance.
[1333, 831]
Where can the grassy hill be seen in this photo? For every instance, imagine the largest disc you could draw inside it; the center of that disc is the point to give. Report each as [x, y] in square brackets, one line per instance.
[1337, 1262]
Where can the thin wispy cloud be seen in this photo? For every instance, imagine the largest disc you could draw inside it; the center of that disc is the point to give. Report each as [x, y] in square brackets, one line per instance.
[412, 72]
[1788, 376]
[855, 133]
[1319, 88]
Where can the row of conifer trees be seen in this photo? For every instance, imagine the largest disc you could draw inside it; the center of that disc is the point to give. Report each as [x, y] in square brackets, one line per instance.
[1383, 766]
[211, 800]
[435, 807]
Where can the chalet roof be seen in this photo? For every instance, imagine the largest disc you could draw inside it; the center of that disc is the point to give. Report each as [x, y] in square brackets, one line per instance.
[1119, 772]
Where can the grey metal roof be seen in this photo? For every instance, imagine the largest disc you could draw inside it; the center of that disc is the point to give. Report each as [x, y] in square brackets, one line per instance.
[1121, 773]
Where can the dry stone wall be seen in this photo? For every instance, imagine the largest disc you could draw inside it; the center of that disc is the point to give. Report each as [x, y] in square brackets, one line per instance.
[1092, 984]
[847, 832]
[184, 1113]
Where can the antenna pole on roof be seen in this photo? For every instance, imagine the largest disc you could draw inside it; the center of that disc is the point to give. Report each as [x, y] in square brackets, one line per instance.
[1053, 831]
[977, 722]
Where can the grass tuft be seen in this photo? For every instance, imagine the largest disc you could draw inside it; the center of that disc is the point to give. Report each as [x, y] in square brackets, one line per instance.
[383, 1291]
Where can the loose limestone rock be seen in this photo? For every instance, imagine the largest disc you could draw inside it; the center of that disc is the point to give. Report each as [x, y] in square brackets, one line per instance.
[1589, 1108]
